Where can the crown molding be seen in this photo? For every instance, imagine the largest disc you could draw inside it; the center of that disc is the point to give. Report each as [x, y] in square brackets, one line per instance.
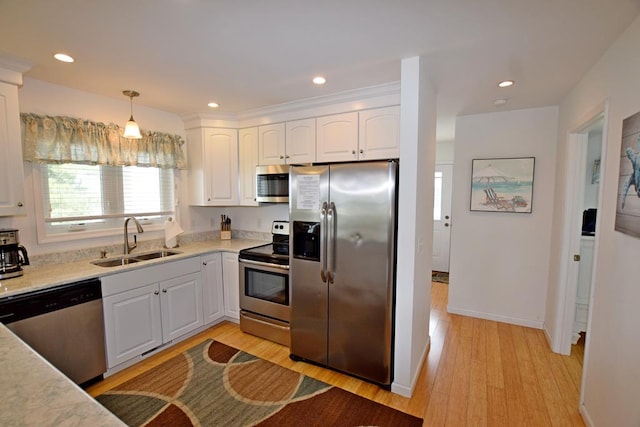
[12, 68]
[352, 100]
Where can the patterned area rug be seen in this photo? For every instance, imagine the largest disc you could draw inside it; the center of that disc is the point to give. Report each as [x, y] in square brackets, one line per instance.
[213, 384]
[439, 276]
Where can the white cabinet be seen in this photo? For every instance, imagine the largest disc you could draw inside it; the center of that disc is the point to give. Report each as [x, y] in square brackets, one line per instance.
[379, 133]
[271, 148]
[300, 141]
[212, 285]
[365, 135]
[248, 160]
[11, 170]
[132, 323]
[180, 305]
[213, 166]
[231, 279]
[147, 307]
[337, 137]
[287, 143]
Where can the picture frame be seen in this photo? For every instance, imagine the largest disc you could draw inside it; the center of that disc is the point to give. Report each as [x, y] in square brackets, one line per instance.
[502, 184]
[628, 198]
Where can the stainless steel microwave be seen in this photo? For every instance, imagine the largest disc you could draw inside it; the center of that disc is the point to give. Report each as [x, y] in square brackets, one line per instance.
[272, 184]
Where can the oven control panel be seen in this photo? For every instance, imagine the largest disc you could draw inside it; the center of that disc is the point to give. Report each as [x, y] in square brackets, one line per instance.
[280, 227]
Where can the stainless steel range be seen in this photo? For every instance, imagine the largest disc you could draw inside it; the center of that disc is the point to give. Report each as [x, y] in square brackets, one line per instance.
[264, 287]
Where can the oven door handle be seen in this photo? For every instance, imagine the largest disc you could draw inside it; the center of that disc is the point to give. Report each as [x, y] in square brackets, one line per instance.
[264, 264]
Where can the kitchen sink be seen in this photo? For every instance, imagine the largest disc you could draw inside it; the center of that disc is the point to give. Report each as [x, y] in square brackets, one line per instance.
[131, 259]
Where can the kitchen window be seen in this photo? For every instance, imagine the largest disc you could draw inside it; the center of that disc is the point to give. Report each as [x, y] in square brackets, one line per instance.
[85, 198]
[88, 177]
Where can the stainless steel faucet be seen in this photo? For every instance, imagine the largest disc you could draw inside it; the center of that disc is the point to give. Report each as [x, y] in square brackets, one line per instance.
[127, 247]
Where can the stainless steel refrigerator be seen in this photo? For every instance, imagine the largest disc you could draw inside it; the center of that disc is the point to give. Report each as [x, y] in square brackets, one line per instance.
[342, 266]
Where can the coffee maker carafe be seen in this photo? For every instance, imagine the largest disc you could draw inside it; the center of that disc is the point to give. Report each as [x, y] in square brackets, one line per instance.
[12, 254]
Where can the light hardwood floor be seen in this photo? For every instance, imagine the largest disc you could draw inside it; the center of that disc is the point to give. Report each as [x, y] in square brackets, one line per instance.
[477, 372]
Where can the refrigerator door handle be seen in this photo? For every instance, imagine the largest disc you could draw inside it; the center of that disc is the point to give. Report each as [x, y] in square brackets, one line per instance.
[331, 213]
[323, 242]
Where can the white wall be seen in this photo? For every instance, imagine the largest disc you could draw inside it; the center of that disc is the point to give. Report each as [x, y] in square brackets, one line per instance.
[611, 381]
[499, 261]
[415, 223]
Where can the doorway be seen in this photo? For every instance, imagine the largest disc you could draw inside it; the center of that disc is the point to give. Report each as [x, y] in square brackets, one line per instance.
[585, 163]
[442, 217]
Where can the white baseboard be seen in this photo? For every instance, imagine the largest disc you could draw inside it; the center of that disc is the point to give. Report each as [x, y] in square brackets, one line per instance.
[537, 324]
[407, 391]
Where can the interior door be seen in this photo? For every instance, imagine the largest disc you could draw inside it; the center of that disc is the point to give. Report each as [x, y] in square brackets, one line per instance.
[442, 217]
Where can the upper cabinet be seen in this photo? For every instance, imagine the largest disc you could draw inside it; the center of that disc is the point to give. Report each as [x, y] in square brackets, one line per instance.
[271, 150]
[11, 170]
[300, 141]
[248, 160]
[365, 135]
[379, 133]
[213, 166]
[287, 143]
[337, 137]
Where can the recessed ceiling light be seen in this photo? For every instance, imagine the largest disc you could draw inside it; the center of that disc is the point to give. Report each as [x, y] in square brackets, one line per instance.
[500, 102]
[63, 57]
[213, 105]
[319, 80]
[506, 83]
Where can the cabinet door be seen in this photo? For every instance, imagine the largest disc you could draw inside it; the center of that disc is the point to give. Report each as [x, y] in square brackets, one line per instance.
[248, 160]
[132, 323]
[271, 144]
[300, 141]
[181, 305]
[337, 137]
[231, 279]
[379, 134]
[212, 294]
[11, 171]
[221, 167]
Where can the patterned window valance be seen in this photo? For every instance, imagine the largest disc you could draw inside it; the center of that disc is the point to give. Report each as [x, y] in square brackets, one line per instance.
[49, 139]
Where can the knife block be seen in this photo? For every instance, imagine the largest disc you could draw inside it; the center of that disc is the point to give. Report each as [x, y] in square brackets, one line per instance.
[225, 235]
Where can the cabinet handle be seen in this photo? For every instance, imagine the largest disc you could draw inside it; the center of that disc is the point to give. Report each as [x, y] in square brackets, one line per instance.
[353, 152]
[20, 204]
[361, 151]
[281, 157]
[164, 290]
[286, 157]
[156, 292]
[204, 263]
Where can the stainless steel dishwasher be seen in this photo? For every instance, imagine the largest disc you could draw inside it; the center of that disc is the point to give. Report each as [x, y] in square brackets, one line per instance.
[63, 324]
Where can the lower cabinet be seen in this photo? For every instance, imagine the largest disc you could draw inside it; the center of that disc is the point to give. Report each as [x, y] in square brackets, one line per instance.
[231, 282]
[147, 307]
[212, 293]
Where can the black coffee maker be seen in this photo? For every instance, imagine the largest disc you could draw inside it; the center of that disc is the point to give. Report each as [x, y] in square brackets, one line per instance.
[12, 254]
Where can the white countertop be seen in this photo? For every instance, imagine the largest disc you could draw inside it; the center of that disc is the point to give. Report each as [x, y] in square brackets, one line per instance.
[32, 391]
[41, 277]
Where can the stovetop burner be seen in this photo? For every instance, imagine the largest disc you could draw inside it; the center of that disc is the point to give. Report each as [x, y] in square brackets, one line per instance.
[276, 252]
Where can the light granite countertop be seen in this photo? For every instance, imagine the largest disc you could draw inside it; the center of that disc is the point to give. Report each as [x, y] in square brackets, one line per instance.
[46, 276]
[34, 392]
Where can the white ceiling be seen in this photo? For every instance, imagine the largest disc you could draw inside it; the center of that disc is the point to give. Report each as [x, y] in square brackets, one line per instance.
[181, 54]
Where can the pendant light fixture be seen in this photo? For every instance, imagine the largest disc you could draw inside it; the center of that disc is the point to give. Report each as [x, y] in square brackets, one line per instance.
[131, 130]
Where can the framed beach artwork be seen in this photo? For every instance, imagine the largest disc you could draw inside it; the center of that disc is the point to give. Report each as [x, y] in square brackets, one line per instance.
[502, 185]
[628, 200]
